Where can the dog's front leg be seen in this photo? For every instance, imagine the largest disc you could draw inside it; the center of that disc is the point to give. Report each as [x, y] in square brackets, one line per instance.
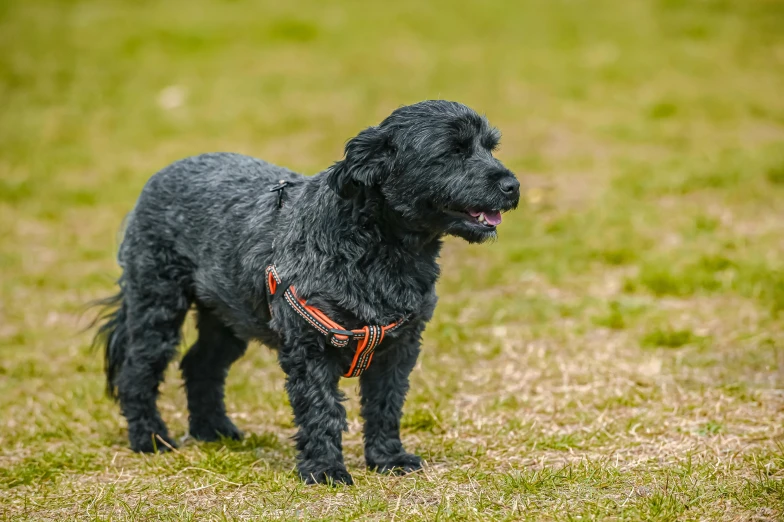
[384, 386]
[312, 385]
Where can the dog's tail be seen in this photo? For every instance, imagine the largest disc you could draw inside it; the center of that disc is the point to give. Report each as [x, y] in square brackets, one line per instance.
[113, 336]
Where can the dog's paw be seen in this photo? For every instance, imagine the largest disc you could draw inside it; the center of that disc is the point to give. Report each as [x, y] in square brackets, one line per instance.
[149, 435]
[331, 476]
[400, 464]
[152, 443]
[210, 430]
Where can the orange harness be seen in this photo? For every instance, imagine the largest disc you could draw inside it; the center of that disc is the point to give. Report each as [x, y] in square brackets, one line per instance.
[367, 337]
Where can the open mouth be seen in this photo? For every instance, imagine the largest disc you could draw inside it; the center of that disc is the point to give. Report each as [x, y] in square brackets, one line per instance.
[487, 218]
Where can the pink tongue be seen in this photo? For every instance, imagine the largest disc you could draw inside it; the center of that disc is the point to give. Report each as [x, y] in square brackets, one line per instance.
[494, 218]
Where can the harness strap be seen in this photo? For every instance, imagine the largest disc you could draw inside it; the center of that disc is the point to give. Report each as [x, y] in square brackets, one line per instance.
[367, 337]
[282, 184]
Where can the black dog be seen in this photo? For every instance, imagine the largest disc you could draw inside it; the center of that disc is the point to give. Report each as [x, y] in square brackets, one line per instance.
[265, 253]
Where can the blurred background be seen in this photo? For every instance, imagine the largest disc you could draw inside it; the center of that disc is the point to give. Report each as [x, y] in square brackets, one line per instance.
[640, 284]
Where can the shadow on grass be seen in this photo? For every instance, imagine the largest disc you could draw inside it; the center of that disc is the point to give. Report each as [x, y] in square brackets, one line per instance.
[263, 450]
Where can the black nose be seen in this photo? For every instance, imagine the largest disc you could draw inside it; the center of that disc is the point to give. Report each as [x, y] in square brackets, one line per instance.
[510, 185]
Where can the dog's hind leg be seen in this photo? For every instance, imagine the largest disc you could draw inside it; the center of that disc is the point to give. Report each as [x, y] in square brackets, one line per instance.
[204, 369]
[156, 302]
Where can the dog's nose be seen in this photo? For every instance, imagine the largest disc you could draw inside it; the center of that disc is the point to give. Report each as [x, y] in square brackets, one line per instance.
[510, 185]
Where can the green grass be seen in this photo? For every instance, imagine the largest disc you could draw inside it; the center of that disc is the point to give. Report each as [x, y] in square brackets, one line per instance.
[617, 354]
[669, 338]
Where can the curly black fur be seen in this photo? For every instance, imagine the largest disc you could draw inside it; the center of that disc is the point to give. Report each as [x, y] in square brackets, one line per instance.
[359, 240]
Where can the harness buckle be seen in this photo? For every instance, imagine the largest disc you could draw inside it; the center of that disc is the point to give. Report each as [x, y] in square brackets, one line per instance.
[282, 184]
[332, 332]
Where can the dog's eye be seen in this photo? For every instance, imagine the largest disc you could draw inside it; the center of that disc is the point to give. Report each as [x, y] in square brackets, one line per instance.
[491, 140]
[463, 149]
[490, 144]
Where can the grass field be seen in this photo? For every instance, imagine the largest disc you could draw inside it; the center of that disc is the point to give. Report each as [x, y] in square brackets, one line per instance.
[617, 354]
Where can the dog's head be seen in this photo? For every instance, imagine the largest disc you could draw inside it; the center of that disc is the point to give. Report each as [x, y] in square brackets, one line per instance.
[432, 164]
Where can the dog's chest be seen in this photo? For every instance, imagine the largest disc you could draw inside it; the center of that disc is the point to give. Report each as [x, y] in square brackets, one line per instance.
[378, 292]
[361, 279]
[400, 295]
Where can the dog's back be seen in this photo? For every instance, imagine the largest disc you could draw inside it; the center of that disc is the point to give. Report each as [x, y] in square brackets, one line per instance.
[199, 200]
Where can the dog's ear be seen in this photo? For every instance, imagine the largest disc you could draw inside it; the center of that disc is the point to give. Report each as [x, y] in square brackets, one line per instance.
[368, 161]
